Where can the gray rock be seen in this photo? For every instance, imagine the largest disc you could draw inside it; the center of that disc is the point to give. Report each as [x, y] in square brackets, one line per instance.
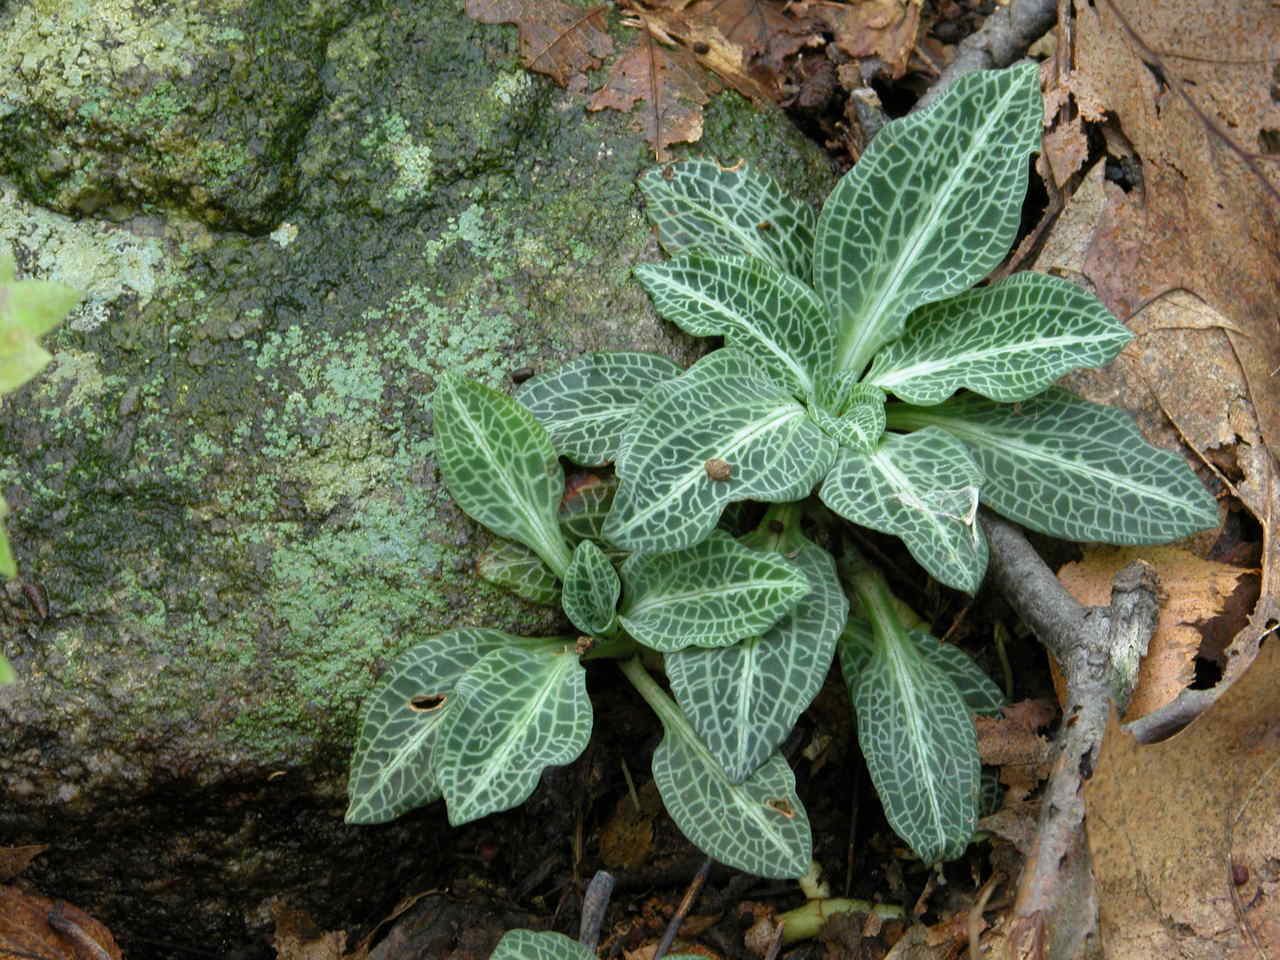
[288, 218]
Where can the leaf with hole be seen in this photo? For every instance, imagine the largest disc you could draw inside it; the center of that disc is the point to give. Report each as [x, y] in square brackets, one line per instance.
[586, 403]
[514, 713]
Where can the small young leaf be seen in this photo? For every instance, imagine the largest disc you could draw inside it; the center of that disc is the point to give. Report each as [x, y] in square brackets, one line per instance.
[754, 305]
[500, 465]
[586, 403]
[698, 206]
[917, 736]
[391, 772]
[859, 428]
[922, 487]
[539, 945]
[979, 692]
[929, 210]
[585, 507]
[514, 713]
[515, 567]
[743, 700]
[1072, 469]
[711, 594]
[28, 309]
[722, 409]
[591, 591]
[1008, 341]
[758, 826]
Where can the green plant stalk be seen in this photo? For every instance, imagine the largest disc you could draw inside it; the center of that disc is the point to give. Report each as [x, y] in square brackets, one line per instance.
[662, 704]
[612, 648]
[871, 592]
[807, 921]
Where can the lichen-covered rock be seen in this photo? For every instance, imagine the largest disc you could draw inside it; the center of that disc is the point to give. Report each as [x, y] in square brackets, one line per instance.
[225, 508]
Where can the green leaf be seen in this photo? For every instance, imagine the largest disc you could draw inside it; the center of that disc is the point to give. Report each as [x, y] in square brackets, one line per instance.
[699, 206]
[711, 594]
[922, 487]
[719, 410]
[500, 466]
[1073, 469]
[514, 713]
[586, 403]
[28, 309]
[540, 945]
[929, 210]
[7, 673]
[591, 591]
[754, 305]
[980, 693]
[859, 428]
[515, 567]
[758, 826]
[1008, 341]
[8, 568]
[917, 736]
[391, 771]
[743, 700]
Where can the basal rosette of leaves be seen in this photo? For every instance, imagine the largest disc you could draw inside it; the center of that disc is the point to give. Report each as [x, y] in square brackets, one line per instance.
[857, 359]
[475, 715]
[28, 310]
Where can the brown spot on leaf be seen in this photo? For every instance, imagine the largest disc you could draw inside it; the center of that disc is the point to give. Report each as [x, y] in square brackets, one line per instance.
[718, 469]
[427, 702]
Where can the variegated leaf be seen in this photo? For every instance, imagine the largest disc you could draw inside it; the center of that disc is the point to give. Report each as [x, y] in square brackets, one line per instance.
[391, 772]
[758, 826]
[515, 713]
[721, 411]
[754, 305]
[500, 466]
[924, 488]
[1008, 341]
[539, 945]
[930, 208]
[711, 594]
[859, 428]
[591, 591]
[515, 567]
[699, 206]
[744, 699]
[586, 403]
[1072, 469]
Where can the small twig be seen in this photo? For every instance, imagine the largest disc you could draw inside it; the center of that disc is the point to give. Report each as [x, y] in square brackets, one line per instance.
[595, 902]
[682, 911]
[59, 921]
[775, 945]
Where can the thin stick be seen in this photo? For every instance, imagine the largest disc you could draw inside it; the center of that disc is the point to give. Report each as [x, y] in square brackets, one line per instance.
[595, 902]
[682, 911]
[59, 921]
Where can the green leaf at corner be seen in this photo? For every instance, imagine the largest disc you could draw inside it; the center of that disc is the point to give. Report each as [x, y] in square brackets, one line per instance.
[515, 567]
[1072, 469]
[591, 591]
[702, 207]
[917, 736]
[7, 674]
[924, 488]
[744, 699]
[7, 566]
[758, 825]
[711, 594]
[28, 309]
[500, 466]
[721, 409]
[539, 945]
[514, 713]
[391, 772]
[929, 210]
[1008, 341]
[586, 403]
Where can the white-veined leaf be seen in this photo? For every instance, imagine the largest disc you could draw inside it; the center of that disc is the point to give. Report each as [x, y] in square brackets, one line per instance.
[515, 713]
[722, 410]
[586, 403]
[859, 428]
[754, 305]
[1072, 469]
[701, 207]
[917, 736]
[930, 208]
[539, 945]
[586, 503]
[922, 487]
[591, 591]
[1008, 341]
[710, 594]
[758, 826]
[391, 771]
[743, 700]
[515, 567]
[499, 465]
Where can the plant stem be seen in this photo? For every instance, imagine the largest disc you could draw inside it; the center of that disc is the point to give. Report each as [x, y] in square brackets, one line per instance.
[807, 921]
[612, 648]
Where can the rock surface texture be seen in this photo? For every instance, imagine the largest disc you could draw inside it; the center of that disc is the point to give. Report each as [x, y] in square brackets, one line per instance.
[288, 218]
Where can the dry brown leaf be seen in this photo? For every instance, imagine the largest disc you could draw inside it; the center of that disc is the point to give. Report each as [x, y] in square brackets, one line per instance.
[1194, 592]
[1183, 833]
[627, 838]
[557, 39]
[297, 937]
[871, 28]
[25, 929]
[13, 860]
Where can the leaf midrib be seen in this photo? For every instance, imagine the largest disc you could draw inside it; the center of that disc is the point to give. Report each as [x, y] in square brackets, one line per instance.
[931, 368]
